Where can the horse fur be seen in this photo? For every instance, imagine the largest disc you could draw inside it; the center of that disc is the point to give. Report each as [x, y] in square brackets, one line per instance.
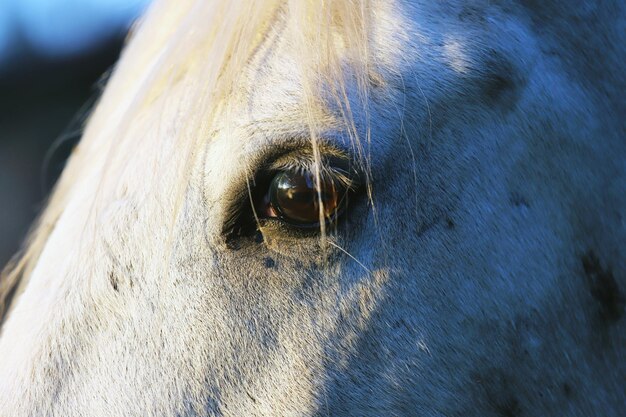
[480, 273]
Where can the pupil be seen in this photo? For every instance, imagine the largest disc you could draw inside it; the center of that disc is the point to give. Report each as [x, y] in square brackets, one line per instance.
[295, 196]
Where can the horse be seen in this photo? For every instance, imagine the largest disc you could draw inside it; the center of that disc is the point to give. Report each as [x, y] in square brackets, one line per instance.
[363, 207]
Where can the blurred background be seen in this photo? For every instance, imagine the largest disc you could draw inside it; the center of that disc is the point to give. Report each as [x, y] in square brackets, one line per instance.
[53, 54]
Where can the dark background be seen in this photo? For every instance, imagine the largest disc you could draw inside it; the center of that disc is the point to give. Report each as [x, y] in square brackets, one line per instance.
[39, 100]
[45, 94]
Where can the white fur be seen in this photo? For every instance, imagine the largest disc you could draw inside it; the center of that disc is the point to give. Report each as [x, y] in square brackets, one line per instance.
[477, 281]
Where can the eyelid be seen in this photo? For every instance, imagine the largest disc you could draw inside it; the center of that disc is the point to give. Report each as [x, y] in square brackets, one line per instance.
[335, 169]
[303, 157]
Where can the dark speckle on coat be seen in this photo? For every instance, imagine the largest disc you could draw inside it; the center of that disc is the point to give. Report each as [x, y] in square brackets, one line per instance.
[604, 288]
[113, 281]
[269, 262]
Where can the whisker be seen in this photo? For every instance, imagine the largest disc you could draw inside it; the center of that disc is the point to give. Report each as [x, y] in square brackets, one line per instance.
[350, 255]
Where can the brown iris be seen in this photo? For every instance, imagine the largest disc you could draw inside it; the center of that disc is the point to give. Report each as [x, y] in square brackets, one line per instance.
[293, 196]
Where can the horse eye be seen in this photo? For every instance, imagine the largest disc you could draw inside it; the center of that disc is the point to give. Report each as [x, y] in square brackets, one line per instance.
[293, 196]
